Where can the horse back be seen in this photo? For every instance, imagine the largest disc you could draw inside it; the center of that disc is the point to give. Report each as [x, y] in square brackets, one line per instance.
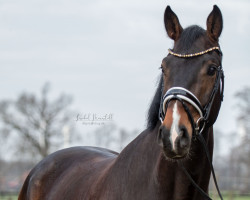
[67, 174]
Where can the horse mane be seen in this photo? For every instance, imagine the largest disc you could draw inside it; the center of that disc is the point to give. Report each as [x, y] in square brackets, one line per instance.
[153, 111]
[188, 37]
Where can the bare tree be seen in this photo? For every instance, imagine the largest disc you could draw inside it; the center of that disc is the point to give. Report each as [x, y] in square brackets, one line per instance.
[240, 155]
[114, 138]
[125, 137]
[38, 121]
[105, 135]
[243, 97]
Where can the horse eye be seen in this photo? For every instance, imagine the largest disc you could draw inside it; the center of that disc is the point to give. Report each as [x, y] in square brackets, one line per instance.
[211, 70]
[161, 68]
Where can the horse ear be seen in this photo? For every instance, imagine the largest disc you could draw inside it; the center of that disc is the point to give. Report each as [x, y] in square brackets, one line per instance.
[214, 24]
[172, 24]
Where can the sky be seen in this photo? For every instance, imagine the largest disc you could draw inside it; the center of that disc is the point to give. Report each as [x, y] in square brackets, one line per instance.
[107, 54]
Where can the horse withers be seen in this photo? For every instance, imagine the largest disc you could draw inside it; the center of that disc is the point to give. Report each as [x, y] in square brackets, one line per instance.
[168, 160]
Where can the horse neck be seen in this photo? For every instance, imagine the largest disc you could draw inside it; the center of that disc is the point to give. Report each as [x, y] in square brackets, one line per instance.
[142, 154]
[135, 167]
[142, 166]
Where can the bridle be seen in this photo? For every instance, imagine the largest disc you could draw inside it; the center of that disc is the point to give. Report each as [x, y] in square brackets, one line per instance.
[185, 96]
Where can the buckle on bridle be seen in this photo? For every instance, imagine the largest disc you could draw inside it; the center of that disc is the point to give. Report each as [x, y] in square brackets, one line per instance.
[198, 127]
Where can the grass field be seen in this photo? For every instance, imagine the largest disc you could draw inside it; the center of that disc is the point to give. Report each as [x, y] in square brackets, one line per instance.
[233, 198]
[11, 197]
[228, 196]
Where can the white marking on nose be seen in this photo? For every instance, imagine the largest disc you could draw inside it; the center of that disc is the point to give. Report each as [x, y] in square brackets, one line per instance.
[175, 125]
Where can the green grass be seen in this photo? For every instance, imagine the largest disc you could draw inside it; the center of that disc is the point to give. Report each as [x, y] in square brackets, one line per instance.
[230, 197]
[9, 197]
[234, 198]
[238, 198]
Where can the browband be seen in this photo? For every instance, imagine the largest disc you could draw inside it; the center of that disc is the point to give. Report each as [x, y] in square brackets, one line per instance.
[193, 54]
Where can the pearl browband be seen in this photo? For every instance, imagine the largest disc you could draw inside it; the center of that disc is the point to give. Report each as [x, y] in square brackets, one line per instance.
[193, 54]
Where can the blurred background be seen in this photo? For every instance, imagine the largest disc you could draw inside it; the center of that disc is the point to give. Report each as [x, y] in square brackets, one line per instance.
[84, 73]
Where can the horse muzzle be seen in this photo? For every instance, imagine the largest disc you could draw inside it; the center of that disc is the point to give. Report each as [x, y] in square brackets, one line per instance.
[175, 133]
[178, 113]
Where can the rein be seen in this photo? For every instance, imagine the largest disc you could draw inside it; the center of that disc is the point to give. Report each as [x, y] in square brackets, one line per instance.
[185, 96]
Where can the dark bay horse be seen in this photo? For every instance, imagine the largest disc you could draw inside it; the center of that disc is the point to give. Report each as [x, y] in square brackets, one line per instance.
[185, 106]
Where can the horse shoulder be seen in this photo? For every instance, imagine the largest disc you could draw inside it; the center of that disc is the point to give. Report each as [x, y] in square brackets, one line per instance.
[64, 171]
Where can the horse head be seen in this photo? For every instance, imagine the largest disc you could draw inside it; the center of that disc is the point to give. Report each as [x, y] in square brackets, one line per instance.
[192, 83]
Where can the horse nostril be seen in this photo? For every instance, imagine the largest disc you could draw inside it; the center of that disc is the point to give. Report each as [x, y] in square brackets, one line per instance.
[184, 140]
[183, 132]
